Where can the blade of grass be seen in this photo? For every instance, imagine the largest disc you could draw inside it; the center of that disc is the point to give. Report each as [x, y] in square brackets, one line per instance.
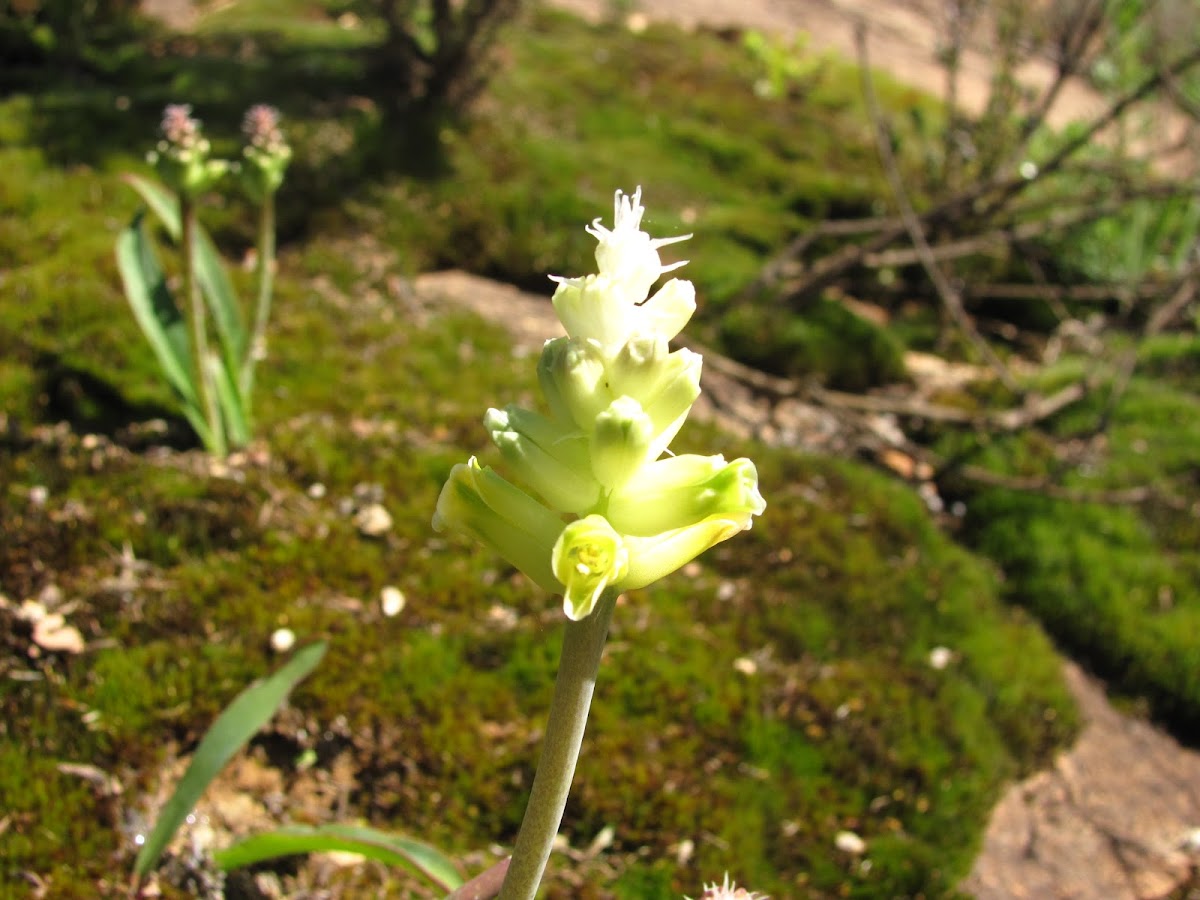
[248, 712]
[378, 845]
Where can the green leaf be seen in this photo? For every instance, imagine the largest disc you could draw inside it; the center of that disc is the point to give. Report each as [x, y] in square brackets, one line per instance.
[248, 712]
[221, 301]
[210, 273]
[378, 845]
[229, 397]
[158, 316]
[154, 308]
[163, 203]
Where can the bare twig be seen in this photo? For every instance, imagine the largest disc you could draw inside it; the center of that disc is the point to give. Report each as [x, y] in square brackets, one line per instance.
[1085, 136]
[949, 296]
[1055, 491]
[1035, 409]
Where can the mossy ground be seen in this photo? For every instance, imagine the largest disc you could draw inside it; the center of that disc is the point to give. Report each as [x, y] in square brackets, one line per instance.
[770, 696]
[1115, 583]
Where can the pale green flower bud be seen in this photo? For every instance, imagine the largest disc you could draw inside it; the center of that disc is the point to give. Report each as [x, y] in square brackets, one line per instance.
[678, 491]
[572, 376]
[620, 442]
[593, 308]
[479, 503]
[267, 153]
[545, 456]
[666, 384]
[597, 308]
[652, 558]
[588, 557]
[669, 401]
[668, 310]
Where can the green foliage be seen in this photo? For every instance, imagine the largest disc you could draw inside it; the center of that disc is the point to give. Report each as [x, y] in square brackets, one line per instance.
[825, 340]
[367, 842]
[248, 712]
[789, 68]
[1114, 584]
[60, 30]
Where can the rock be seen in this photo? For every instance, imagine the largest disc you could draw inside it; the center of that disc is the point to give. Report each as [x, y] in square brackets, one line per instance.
[373, 520]
[392, 601]
[849, 842]
[283, 640]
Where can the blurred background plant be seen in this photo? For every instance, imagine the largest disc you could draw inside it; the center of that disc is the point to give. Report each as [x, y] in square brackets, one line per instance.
[214, 388]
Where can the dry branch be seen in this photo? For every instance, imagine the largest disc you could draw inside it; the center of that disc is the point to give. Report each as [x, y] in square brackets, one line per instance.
[951, 300]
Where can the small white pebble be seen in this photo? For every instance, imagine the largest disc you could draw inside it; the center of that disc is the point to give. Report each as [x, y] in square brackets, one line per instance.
[316, 490]
[502, 616]
[726, 591]
[745, 665]
[282, 640]
[849, 842]
[32, 611]
[392, 600]
[940, 657]
[684, 851]
[39, 494]
[373, 520]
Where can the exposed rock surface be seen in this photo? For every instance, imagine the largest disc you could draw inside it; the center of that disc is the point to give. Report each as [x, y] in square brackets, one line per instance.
[1118, 816]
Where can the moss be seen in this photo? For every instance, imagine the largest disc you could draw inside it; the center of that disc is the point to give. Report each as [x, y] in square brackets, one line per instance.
[824, 340]
[1114, 583]
[836, 597]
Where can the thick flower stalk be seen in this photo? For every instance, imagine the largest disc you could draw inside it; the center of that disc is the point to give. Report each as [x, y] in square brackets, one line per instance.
[602, 506]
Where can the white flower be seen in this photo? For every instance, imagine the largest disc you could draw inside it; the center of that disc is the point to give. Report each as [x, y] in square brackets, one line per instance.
[614, 513]
[627, 254]
[610, 307]
[727, 890]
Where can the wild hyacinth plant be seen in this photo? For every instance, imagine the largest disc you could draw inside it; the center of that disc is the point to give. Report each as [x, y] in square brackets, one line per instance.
[214, 388]
[605, 507]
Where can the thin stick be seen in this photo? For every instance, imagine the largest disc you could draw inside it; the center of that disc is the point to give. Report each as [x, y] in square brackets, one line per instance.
[949, 296]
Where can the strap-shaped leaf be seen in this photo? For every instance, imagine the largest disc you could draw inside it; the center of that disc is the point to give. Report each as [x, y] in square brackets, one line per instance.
[210, 273]
[154, 308]
[157, 315]
[229, 397]
[221, 300]
[378, 845]
[248, 712]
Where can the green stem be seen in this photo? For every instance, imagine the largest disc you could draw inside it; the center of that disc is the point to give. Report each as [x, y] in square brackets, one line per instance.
[266, 285]
[583, 643]
[191, 290]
